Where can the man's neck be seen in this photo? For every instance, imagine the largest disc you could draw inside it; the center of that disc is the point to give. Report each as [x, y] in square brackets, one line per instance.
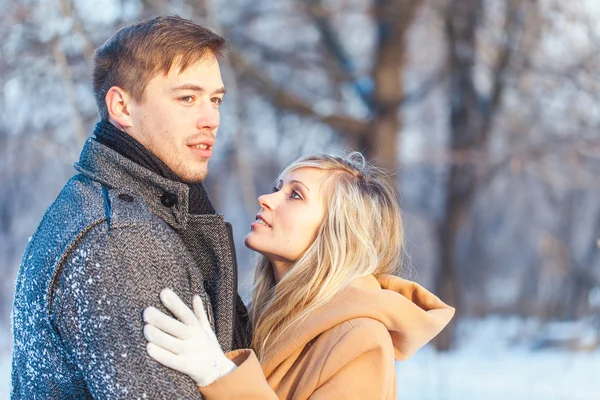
[124, 144]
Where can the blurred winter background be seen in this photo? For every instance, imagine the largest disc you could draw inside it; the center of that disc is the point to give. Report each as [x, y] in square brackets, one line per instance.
[487, 111]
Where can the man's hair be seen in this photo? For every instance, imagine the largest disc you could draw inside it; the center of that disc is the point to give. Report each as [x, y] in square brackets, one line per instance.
[361, 233]
[139, 52]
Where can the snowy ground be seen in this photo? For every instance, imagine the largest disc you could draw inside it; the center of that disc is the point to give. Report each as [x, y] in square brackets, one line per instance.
[5, 378]
[507, 358]
[515, 375]
[495, 360]
[4, 367]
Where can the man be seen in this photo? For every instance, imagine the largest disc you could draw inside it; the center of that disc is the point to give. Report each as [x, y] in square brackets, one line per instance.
[135, 220]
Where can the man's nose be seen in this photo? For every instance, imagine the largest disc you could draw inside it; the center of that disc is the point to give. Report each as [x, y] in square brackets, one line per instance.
[209, 117]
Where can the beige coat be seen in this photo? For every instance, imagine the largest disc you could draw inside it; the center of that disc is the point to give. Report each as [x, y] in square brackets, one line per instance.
[345, 350]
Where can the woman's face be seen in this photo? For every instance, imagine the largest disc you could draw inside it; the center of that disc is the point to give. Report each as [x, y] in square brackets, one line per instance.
[289, 218]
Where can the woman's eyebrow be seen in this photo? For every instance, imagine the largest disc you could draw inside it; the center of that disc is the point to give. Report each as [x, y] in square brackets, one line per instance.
[296, 181]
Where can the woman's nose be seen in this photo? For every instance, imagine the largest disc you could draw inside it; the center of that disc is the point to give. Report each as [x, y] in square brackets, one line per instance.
[267, 201]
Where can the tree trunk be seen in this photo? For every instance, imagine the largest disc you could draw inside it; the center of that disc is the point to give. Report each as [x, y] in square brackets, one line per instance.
[466, 124]
[394, 19]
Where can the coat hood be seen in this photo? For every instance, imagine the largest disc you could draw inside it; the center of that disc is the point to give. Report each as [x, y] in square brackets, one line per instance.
[412, 315]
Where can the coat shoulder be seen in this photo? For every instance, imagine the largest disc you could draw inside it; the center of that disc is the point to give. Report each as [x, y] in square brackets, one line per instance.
[359, 333]
[88, 201]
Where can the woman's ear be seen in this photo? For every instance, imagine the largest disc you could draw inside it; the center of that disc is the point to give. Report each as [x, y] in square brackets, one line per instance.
[118, 103]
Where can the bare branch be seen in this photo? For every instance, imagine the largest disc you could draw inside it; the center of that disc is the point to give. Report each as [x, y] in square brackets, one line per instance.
[89, 48]
[514, 25]
[61, 61]
[420, 93]
[335, 48]
[516, 159]
[345, 125]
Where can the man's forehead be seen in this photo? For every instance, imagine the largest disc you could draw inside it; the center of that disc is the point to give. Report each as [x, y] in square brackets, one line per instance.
[179, 66]
[193, 77]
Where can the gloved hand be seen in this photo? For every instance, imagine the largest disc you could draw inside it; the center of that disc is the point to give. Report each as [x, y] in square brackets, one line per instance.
[188, 344]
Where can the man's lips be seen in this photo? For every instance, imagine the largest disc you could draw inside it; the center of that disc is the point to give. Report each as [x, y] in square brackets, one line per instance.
[204, 144]
[202, 147]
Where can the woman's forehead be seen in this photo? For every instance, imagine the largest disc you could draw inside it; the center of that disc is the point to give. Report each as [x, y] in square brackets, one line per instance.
[309, 176]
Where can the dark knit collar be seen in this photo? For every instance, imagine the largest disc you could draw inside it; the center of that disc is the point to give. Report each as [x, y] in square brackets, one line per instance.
[121, 142]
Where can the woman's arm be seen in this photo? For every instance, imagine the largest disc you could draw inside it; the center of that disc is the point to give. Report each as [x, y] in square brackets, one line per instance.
[245, 382]
[359, 366]
[189, 345]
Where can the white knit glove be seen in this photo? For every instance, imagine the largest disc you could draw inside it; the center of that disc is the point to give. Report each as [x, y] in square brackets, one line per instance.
[188, 344]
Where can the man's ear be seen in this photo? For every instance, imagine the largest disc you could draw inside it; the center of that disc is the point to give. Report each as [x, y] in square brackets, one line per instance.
[118, 103]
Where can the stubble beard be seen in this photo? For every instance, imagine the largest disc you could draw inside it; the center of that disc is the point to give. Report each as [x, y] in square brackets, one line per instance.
[193, 176]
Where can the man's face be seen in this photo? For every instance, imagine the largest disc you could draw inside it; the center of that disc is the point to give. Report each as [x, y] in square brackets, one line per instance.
[178, 117]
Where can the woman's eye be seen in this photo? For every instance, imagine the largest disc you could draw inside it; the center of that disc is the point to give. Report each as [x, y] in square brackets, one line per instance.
[292, 194]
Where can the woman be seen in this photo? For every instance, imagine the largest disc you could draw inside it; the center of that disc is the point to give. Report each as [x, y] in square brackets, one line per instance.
[329, 317]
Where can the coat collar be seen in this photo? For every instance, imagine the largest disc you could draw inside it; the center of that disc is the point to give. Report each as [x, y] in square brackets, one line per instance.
[166, 198]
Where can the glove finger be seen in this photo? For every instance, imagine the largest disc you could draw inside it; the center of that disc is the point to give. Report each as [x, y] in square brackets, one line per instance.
[161, 339]
[202, 317]
[178, 307]
[165, 323]
[165, 357]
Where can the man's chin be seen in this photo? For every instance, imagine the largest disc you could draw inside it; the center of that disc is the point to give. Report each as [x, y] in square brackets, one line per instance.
[192, 177]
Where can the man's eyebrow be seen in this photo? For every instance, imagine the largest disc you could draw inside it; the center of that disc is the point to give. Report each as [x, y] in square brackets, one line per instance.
[196, 88]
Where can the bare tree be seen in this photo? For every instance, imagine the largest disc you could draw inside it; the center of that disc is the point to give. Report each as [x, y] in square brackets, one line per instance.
[381, 91]
[471, 116]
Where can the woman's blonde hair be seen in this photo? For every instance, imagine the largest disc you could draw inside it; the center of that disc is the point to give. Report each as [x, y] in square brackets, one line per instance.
[361, 234]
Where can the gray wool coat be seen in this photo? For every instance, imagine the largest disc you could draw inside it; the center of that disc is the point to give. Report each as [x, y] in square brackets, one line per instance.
[114, 238]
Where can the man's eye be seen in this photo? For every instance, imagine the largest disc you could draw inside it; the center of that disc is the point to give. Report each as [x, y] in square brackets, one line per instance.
[217, 101]
[187, 99]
